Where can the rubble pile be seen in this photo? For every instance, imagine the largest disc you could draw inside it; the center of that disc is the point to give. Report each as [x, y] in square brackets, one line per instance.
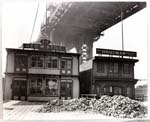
[116, 106]
[119, 106]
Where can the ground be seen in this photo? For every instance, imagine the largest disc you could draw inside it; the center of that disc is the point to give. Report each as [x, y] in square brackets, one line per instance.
[24, 110]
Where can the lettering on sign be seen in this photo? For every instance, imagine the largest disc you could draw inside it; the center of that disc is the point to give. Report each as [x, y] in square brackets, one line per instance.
[116, 52]
[53, 48]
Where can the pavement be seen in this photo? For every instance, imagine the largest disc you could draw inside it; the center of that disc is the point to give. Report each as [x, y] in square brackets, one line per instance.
[24, 110]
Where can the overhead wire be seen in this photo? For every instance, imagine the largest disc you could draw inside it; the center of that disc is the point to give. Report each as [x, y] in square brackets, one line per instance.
[34, 22]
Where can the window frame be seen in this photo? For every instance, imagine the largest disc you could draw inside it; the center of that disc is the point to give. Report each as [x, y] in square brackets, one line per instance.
[64, 81]
[126, 69]
[66, 69]
[46, 62]
[114, 68]
[36, 94]
[111, 68]
[43, 62]
[21, 68]
[49, 95]
[100, 67]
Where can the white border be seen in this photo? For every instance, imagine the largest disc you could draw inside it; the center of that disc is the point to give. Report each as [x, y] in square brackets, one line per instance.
[148, 48]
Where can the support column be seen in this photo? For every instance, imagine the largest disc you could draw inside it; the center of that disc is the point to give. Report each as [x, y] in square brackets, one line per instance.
[51, 34]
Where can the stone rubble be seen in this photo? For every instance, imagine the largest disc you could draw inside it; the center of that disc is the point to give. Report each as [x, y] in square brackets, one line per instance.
[117, 106]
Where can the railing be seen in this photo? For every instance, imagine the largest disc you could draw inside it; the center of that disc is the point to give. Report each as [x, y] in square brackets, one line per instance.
[89, 96]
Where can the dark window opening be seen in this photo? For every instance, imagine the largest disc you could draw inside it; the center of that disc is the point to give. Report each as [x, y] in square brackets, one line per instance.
[21, 63]
[100, 67]
[66, 66]
[126, 68]
[37, 61]
[52, 62]
[36, 86]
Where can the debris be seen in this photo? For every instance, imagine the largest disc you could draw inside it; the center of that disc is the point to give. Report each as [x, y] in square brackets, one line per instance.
[116, 106]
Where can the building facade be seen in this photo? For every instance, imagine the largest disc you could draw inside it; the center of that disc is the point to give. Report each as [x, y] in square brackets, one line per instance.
[109, 75]
[40, 72]
[141, 92]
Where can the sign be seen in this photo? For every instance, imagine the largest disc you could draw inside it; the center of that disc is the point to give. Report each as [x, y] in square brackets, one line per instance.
[116, 52]
[84, 52]
[52, 48]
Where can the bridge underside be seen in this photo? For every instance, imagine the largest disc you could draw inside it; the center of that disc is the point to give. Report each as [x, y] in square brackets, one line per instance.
[76, 23]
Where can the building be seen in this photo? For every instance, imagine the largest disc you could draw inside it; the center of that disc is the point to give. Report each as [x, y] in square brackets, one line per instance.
[3, 85]
[109, 73]
[141, 92]
[40, 72]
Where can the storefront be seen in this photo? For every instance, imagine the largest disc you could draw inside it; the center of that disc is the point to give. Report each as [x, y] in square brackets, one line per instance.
[109, 73]
[41, 74]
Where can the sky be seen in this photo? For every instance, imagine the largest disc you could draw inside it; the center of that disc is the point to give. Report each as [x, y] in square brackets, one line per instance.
[18, 19]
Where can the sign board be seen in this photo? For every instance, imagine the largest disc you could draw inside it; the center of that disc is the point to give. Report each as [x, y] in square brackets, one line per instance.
[52, 48]
[116, 52]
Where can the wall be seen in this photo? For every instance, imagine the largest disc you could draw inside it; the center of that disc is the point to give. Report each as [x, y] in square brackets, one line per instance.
[115, 75]
[75, 68]
[41, 98]
[10, 62]
[85, 81]
[43, 71]
[75, 87]
[8, 90]
[121, 84]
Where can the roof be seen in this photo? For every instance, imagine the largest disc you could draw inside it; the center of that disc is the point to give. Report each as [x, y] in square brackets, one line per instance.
[40, 51]
[96, 58]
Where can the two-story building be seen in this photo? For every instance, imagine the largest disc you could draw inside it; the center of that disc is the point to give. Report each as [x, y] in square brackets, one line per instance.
[40, 72]
[109, 73]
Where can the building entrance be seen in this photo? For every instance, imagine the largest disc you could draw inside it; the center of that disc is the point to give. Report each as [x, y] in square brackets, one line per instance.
[112, 90]
[66, 90]
[19, 90]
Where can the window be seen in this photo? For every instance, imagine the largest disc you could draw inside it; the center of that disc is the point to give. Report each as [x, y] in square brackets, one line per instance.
[66, 66]
[100, 67]
[51, 87]
[117, 90]
[36, 86]
[37, 61]
[51, 62]
[66, 88]
[115, 67]
[129, 92]
[110, 89]
[126, 68]
[21, 63]
[63, 64]
[111, 68]
[113, 90]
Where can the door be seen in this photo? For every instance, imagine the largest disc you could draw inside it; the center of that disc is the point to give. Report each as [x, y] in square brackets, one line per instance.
[19, 90]
[98, 91]
[66, 90]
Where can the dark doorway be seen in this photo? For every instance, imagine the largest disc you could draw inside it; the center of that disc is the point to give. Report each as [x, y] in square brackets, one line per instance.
[66, 90]
[19, 90]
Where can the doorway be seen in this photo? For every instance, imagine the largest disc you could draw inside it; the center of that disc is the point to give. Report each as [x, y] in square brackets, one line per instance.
[66, 90]
[19, 90]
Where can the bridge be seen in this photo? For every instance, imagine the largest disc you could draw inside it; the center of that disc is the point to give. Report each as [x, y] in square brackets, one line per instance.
[76, 23]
